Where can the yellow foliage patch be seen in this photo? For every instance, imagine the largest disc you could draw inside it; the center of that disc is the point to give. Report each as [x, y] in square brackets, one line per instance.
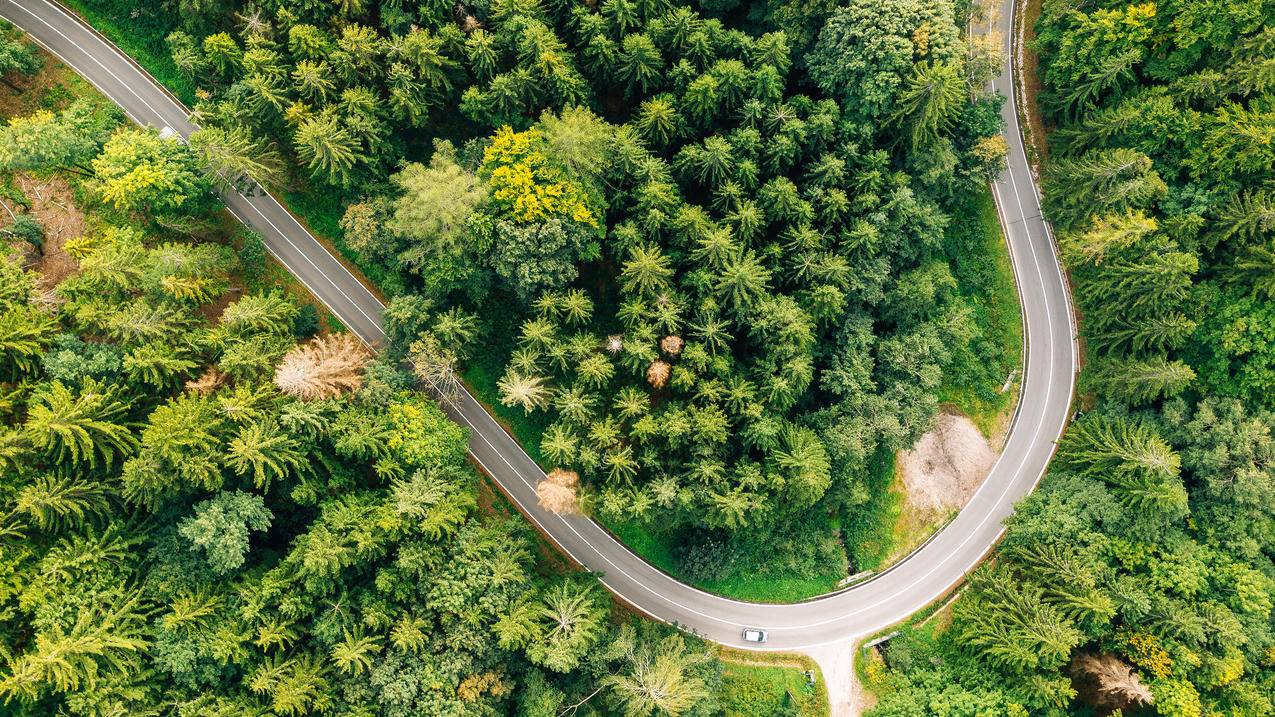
[1145, 651]
[521, 178]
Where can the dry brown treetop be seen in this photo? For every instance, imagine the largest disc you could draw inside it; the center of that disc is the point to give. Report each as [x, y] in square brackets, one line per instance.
[657, 375]
[557, 492]
[323, 368]
[671, 345]
[209, 381]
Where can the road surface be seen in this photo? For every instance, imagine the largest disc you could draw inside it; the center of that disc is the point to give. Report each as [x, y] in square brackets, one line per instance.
[931, 571]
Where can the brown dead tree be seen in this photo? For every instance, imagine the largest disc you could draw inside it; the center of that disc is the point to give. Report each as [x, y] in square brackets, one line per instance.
[557, 492]
[323, 368]
[1117, 684]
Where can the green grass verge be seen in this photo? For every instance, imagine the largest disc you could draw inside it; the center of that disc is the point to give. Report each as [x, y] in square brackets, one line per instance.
[975, 245]
[485, 368]
[868, 528]
[139, 30]
[321, 213]
[750, 690]
[886, 528]
[985, 279]
[917, 642]
[746, 584]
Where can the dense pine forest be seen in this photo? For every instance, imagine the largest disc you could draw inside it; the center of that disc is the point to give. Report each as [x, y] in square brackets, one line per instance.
[706, 245]
[1139, 578]
[702, 258]
[216, 503]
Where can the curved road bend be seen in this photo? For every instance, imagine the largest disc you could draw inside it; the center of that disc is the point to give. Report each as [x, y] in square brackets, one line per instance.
[861, 610]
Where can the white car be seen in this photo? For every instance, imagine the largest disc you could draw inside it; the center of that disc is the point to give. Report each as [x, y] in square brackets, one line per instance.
[755, 635]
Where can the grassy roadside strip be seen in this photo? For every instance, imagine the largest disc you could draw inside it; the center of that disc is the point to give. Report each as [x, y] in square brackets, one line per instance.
[886, 529]
[760, 587]
[1027, 82]
[757, 684]
[141, 38]
[320, 214]
[915, 638]
[976, 246]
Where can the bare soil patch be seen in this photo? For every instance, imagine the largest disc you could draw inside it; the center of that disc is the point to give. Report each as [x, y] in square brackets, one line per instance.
[53, 206]
[946, 465]
[45, 90]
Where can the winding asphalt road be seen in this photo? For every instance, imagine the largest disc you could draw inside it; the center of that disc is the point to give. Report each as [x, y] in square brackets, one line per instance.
[931, 571]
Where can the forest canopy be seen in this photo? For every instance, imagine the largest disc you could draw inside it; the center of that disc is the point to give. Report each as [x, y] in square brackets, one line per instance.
[207, 509]
[1138, 580]
[723, 251]
[709, 246]
[714, 261]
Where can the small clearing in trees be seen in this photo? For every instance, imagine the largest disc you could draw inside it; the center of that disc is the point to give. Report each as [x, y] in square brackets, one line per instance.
[52, 87]
[946, 465]
[53, 206]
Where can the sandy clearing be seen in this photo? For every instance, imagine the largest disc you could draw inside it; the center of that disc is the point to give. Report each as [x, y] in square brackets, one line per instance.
[946, 465]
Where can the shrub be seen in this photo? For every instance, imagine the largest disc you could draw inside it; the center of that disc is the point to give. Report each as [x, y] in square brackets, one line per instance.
[306, 323]
[26, 229]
